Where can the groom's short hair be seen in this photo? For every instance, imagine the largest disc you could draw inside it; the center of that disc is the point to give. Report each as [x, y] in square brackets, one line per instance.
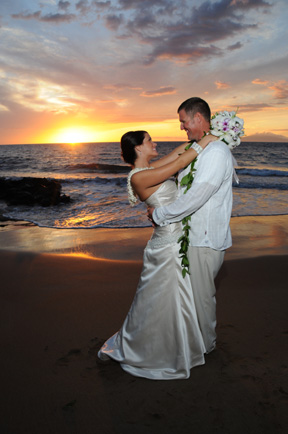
[196, 105]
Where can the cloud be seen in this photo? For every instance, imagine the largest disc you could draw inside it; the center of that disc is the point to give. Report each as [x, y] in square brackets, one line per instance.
[58, 18]
[280, 89]
[260, 81]
[144, 4]
[243, 108]
[52, 18]
[113, 22]
[38, 76]
[40, 95]
[185, 33]
[83, 6]
[250, 4]
[236, 46]
[121, 86]
[63, 5]
[177, 31]
[101, 5]
[27, 16]
[185, 53]
[221, 85]
[168, 90]
[3, 108]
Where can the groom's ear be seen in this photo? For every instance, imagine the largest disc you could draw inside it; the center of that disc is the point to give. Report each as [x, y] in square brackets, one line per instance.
[198, 118]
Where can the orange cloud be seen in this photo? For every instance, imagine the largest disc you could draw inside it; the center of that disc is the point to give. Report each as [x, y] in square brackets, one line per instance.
[259, 81]
[280, 89]
[221, 85]
[121, 86]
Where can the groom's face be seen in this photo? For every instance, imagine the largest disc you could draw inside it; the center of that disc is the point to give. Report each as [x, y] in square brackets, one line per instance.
[191, 125]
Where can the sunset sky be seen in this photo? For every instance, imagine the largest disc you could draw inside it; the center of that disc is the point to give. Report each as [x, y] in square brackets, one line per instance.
[88, 71]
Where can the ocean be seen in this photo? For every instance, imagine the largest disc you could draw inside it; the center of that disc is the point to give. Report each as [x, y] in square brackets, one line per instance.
[94, 176]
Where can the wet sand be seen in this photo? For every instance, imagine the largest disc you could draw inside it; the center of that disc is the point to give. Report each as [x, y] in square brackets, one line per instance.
[63, 292]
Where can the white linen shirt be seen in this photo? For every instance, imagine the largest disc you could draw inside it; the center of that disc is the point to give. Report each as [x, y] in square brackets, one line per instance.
[208, 201]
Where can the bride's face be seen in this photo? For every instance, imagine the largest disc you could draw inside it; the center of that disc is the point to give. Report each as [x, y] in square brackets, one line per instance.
[149, 147]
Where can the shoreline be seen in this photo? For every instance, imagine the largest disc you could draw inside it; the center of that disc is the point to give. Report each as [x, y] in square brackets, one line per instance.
[251, 236]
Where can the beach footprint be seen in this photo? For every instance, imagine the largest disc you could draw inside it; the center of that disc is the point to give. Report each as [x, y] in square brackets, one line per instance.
[65, 360]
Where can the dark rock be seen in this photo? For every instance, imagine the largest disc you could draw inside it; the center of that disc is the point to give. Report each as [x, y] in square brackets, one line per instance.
[32, 191]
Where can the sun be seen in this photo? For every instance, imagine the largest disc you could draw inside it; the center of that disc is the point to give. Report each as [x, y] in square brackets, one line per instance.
[75, 135]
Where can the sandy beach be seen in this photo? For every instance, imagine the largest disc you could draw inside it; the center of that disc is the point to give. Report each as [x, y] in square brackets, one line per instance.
[64, 292]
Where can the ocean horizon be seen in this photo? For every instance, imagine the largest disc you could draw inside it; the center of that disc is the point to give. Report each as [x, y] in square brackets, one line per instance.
[94, 176]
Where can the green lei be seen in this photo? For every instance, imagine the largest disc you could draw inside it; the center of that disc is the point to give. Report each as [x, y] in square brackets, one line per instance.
[186, 181]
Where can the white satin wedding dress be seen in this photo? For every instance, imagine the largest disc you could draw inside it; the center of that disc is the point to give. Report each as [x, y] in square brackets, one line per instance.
[160, 338]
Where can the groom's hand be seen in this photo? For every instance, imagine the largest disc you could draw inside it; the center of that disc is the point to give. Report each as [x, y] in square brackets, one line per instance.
[149, 215]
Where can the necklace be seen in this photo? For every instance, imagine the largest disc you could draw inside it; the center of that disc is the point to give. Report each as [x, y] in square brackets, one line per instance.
[186, 182]
[133, 199]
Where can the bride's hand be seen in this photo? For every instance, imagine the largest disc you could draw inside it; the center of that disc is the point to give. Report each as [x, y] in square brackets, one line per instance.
[150, 210]
[206, 140]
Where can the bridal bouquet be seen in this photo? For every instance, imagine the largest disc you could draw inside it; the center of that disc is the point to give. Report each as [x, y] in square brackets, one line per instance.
[228, 127]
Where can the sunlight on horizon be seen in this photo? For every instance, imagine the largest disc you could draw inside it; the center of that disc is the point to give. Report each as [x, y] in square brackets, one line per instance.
[161, 131]
[166, 130]
[75, 135]
[99, 131]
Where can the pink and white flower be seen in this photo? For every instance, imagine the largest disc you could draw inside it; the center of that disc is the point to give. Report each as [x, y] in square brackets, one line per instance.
[228, 127]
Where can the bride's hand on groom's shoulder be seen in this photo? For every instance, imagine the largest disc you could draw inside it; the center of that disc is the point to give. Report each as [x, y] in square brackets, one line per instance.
[208, 138]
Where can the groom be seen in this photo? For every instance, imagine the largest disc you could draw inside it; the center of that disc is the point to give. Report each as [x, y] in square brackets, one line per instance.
[209, 202]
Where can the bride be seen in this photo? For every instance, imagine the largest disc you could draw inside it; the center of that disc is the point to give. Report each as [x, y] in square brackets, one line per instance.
[160, 338]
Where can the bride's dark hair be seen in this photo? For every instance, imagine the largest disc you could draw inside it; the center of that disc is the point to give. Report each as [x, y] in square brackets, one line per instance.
[128, 143]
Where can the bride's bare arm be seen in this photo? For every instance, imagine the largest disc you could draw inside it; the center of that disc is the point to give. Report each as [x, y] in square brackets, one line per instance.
[173, 155]
[146, 182]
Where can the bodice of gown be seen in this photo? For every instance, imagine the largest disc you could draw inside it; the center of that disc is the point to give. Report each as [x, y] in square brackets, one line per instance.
[164, 235]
